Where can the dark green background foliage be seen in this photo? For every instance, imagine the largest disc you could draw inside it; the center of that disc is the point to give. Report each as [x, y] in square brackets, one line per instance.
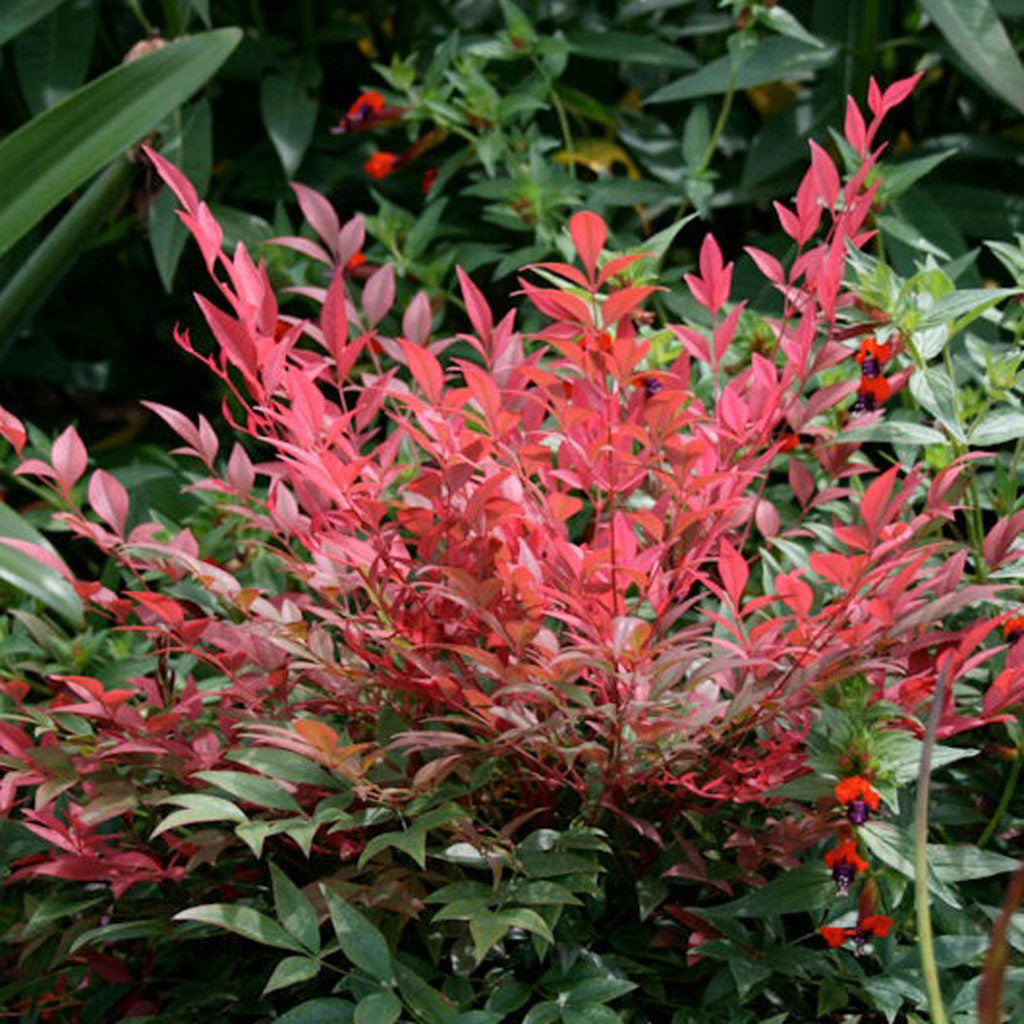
[640, 92]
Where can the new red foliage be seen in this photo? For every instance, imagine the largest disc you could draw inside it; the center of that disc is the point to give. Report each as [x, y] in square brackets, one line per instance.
[526, 557]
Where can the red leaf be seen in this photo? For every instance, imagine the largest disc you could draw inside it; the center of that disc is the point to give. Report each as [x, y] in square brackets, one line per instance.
[617, 265]
[426, 370]
[589, 234]
[876, 497]
[624, 301]
[734, 571]
[480, 315]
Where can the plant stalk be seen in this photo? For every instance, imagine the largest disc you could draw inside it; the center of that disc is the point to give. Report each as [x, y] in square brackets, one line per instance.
[921, 899]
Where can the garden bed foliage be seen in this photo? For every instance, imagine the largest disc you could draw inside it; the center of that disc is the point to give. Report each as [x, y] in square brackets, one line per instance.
[572, 667]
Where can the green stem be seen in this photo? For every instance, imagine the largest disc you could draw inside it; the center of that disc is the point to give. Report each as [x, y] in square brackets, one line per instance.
[921, 899]
[140, 16]
[1004, 800]
[563, 119]
[720, 123]
[52, 259]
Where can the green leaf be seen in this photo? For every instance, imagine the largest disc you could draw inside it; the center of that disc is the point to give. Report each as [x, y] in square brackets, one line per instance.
[189, 146]
[959, 308]
[590, 1013]
[117, 932]
[244, 921]
[29, 575]
[597, 990]
[776, 59]
[288, 103]
[253, 789]
[283, 764]
[412, 841]
[805, 888]
[897, 178]
[895, 432]
[18, 15]
[895, 846]
[56, 152]
[197, 807]
[528, 920]
[543, 1013]
[630, 47]
[378, 1008]
[291, 971]
[934, 390]
[426, 1003]
[52, 57]
[324, 1010]
[963, 863]
[979, 39]
[294, 910]
[360, 940]
[998, 427]
[487, 928]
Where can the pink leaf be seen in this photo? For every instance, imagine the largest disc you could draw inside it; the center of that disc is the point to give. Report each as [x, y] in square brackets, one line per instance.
[180, 185]
[801, 482]
[304, 245]
[855, 129]
[617, 265]
[13, 430]
[334, 322]
[379, 294]
[353, 235]
[480, 315]
[69, 458]
[725, 332]
[109, 499]
[241, 474]
[825, 175]
[417, 319]
[788, 220]
[589, 234]
[319, 214]
[767, 264]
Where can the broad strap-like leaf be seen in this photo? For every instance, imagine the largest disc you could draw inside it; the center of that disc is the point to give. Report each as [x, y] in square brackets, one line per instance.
[44, 160]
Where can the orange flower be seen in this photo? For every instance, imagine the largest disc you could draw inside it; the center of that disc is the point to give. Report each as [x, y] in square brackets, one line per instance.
[381, 164]
[368, 109]
[856, 794]
[1013, 629]
[835, 937]
[877, 926]
[856, 787]
[845, 862]
[871, 393]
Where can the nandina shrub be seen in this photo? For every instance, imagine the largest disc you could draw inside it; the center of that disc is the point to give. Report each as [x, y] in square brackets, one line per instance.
[469, 583]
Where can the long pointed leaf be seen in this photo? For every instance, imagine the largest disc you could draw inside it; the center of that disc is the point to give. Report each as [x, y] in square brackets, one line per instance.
[977, 35]
[54, 153]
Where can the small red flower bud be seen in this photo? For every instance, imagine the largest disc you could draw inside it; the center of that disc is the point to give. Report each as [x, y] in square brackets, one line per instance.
[381, 164]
